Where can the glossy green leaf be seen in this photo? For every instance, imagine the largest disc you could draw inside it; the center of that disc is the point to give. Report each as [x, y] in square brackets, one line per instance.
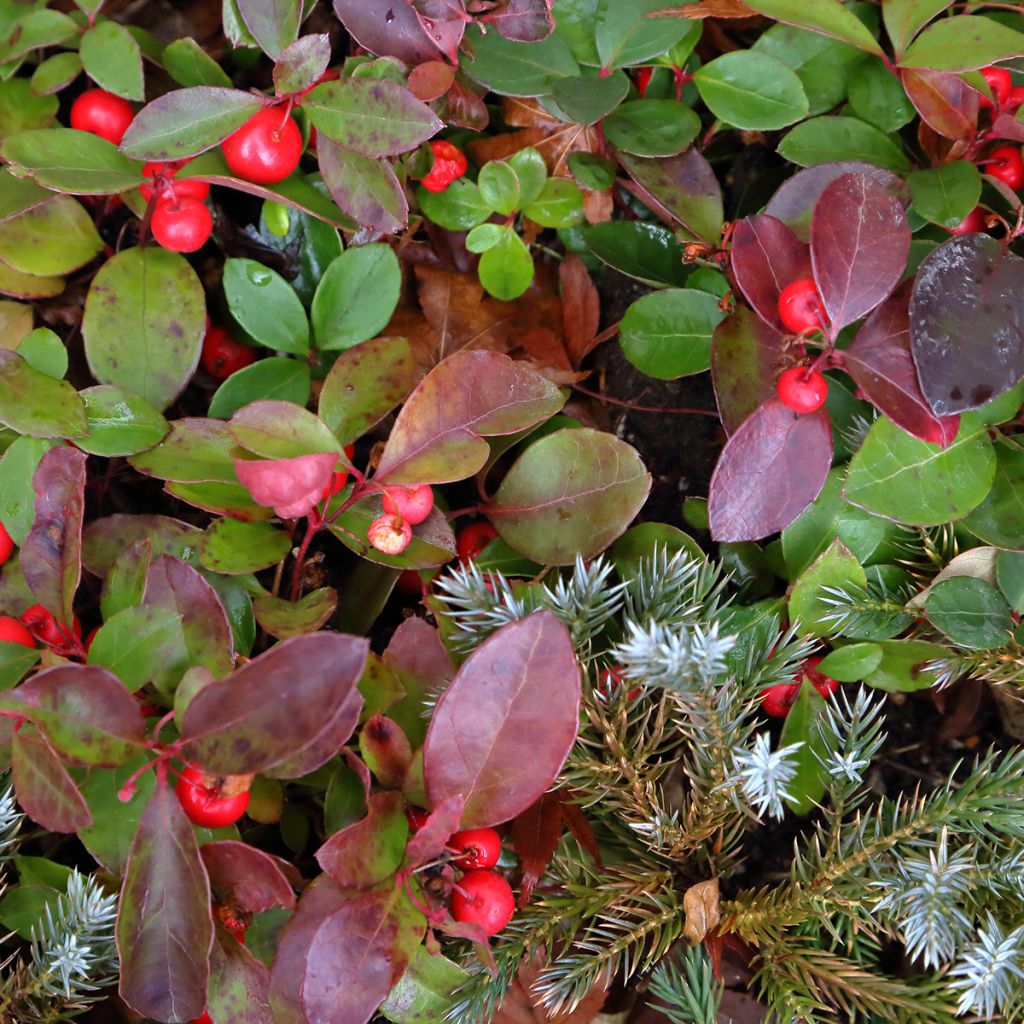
[273, 23]
[134, 642]
[835, 568]
[459, 207]
[962, 43]
[189, 64]
[625, 35]
[752, 90]
[287, 380]
[499, 187]
[35, 404]
[71, 161]
[119, 423]
[1010, 576]
[229, 546]
[55, 237]
[828, 139]
[559, 204]
[282, 619]
[485, 236]
[904, 665]
[652, 127]
[17, 498]
[905, 18]
[34, 31]
[423, 995]
[829, 17]
[193, 451]
[999, 519]
[280, 430]
[646, 251]
[667, 334]
[591, 171]
[44, 351]
[15, 661]
[56, 72]
[21, 109]
[532, 172]
[266, 306]
[808, 784]
[432, 544]
[877, 96]
[946, 194]
[517, 69]
[506, 268]
[356, 296]
[970, 612]
[112, 59]
[587, 98]
[851, 663]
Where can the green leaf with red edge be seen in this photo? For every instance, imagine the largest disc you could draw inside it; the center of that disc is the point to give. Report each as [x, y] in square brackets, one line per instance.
[422, 665]
[365, 383]
[17, 498]
[829, 17]
[164, 928]
[274, 24]
[114, 824]
[519, 690]
[370, 850]
[47, 794]
[189, 64]
[962, 43]
[195, 451]
[204, 632]
[571, 493]
[52, 551]
[50, 238]
[365, 188]
[249, 878]
[239, 983]
[187, 121]
[276, 377]
[302, 63]
[222, 499]
[84, 712]
[282, 619]
[944, 100]
[770, 470]
[370, 116]
[281, 430]
[120, 423]
[103, 540]
[439, 434]
[296, 699]
[112, 58]
[67, 160]
[34, 30]
[432, 544]
[144, 321]
[233, 547]
[905, 18]
[34, 404]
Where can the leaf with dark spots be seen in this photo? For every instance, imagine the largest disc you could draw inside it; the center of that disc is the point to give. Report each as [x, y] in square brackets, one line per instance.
[370, 850]
[520, 690]
[770, 470]
[164, 928]
[859, 245]
[766, 257]
[302, 63]
[85, 713]
[880, 362]
[429, 841]
[365, 188]
[36, 405]
[51, 557]
[536, 833]
[946, 103]
[747, 357]
[967, 323]
[47, 794]
[387, 28]
[251, 879]
[103, 540]
[282, 705]
[274, 24]
[239, 983]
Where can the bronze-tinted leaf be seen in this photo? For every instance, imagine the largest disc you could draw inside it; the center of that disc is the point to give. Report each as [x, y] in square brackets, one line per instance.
[520, 690]
[239, 983]
[251, 879]
[104, 540]
[766, 257]
[364, 187]
[536, 833]
[944, 100]
[369, 851]
[47, 794]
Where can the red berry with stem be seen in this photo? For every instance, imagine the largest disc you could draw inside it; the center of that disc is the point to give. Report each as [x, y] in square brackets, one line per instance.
[472, 539]
[1000, 83]
[825, 685]
[205, 803]
[389, 534]
[802, 389]
[800, 306]
[14, 632]
[974, 221]
[484, 898]
[266, 149]
[222, 355]
[475, 848]
[777, 700]
[181, 225]
[6, 544]
[413, 504]
[102, 113]
[187, 188]
[46, 628]
[1006, 164]
[449, 163]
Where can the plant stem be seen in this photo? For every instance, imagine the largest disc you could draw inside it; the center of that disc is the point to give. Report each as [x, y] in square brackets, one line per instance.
[635, 407]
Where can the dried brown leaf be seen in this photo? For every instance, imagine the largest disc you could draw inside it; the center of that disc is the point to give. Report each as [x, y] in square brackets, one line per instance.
[700, 904]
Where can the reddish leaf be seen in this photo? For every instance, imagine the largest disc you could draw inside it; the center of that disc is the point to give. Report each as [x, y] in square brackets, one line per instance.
[946, 103]
[966, 317]
[1006, 126]
[859, 245]
[387, 28]
[164, 929]
[429, 841]
[46, 792]
[581, 309]
[523, 21]
[431, 80]
[770, 470]
[581, 829]
[239, 983]
[439, 434]
[444, 23]
[536, 833]
[365, 188]
[520, 690]
[747, 357]
[251, 879]
[766, 257]
[302, 63]
[369, 851]
[105, 539]
[879, 360]
[416, 649]
[295, 698]
[51, 557]
[386, 750]
[85, 713]
[291, 487]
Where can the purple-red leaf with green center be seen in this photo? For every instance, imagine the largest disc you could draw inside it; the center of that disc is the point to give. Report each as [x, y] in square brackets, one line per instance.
[47, 794]
[370, 850]
[251, 879]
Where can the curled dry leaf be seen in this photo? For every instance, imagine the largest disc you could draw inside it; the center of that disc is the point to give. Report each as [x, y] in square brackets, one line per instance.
[700, 904]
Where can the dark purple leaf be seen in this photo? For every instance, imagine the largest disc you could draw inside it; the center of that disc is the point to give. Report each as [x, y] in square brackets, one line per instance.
[946, 103]
[239, 983]
[444, 23]
[388, 28]
[363, 187]
[251, 879]
[880, 362]
[164, 928]
[747, 357]
[370, 850]
[46, 792]
[523, 21]
[416, 650]
[859, 246]
[967, 323]
[769, 471]
[1006, 126]
[429, 841]
[680, 188]
[302, 63]
[51, 557]
[766, 257]
[520, 690]
[296, 699]
[796, 198]
[274, 24]
[85, 713]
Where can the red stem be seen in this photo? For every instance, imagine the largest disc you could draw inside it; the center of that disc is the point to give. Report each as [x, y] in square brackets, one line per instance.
[676, 410]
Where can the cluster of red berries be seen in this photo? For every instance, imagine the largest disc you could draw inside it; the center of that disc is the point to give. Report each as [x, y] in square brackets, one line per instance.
[481, 896]
[449, 163]
[777, 700]
[801, 310]
[212, 801]
[404, 508]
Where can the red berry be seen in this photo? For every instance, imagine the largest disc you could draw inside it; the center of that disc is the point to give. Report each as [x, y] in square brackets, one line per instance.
[413, 504]
[45, 628]
[974, 221]
[13, 632]
[1015, 99]
[449, 163]
[204, 1019]
[472, 539]
[206, 806]
[181, 225]
[222, 355]
[485, 899]
[103, 114]
[1000, 82]
[802, 389]
[89, 639]
[340, 476]
[187, 188]
[825, 685]
[6, 544]
[389, 534]
[777, 700]
[1006, 164]
[800, 307]
[266, 149]
[410, 583]
[475, 848]
[643, 79]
